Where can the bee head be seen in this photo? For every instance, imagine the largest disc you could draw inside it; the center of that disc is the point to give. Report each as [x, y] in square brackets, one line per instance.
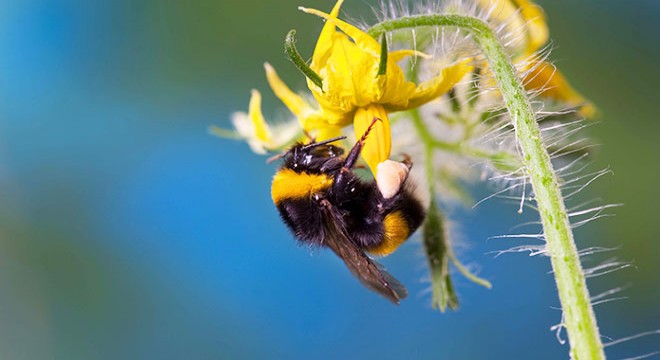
[306, 157]
[321, 150]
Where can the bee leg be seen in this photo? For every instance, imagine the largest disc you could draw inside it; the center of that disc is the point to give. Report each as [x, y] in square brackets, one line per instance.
[353, 155]
[332, 164]
[407, 160]
[321, 200]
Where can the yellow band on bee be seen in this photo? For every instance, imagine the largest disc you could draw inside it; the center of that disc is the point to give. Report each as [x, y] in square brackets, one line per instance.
[396, 232]
[288, 184]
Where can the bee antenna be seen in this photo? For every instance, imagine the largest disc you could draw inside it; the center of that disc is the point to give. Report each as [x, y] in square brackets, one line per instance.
[315, 144]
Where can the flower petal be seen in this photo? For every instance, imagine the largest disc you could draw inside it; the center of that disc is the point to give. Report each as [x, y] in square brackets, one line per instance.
[365, 42]
[252, 126]
[551, 82]
[520, 16]
[437, 86]
[261, 129]
[350, 80]
[325, 40]
[349, 67]
[328, 132]
[537, 28]
[398, 55]
[378, 145]
[321, 125]
[393, 90]
[293, 101]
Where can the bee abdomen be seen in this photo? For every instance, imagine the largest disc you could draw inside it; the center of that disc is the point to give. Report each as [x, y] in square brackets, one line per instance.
[303, 219]
[399, 224]
[396, 231]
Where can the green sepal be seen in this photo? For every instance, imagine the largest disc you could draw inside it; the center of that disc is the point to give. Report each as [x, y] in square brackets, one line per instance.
[382, 66]
[297, 60]
[436, 247]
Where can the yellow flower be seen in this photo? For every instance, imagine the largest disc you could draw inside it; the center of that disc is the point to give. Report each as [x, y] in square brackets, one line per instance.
[520, 16]
[526, 17]
[354, 91]
[252, 127]
[312, 120]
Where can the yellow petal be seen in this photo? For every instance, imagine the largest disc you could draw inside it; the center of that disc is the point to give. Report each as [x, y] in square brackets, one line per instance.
[503, 11]
[378, 144]
[293, 101]
[537, 28]
[261, 129]
[437, 86]
[349, 69]
[520, 16]
[327, 132]
[342, 75]
[325, 40]
[316, 123]
[310, 119]
[398, 55]
[393, 90]
[365, 42]
[349, 79]
[551, 82]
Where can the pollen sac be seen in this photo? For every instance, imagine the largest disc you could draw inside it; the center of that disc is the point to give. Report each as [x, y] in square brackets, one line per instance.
[389, 177]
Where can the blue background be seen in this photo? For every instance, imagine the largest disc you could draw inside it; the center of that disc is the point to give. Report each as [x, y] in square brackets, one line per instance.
[126, 231]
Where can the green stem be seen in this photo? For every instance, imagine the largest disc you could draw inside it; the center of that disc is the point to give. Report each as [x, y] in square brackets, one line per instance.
[428, 141]
[436, 242]
[502, 160]
[579, 318]
[437, 247]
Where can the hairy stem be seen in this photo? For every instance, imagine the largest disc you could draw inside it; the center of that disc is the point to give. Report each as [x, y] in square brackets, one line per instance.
[579, 318]
[436, 240]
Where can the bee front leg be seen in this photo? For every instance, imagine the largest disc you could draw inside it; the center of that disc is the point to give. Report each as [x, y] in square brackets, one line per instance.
[353, 155]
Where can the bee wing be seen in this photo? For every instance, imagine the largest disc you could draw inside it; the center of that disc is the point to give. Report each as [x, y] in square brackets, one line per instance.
[370, 273]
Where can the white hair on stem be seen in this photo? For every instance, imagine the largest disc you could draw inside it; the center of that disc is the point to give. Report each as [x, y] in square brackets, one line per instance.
[482, 123]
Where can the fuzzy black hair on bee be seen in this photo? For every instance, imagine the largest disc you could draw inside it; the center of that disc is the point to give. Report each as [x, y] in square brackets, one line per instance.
[324, 203]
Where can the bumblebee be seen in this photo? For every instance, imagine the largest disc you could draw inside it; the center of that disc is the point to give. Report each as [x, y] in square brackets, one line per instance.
[324, 203]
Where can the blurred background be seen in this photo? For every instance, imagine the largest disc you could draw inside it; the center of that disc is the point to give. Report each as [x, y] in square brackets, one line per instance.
[126, 231]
